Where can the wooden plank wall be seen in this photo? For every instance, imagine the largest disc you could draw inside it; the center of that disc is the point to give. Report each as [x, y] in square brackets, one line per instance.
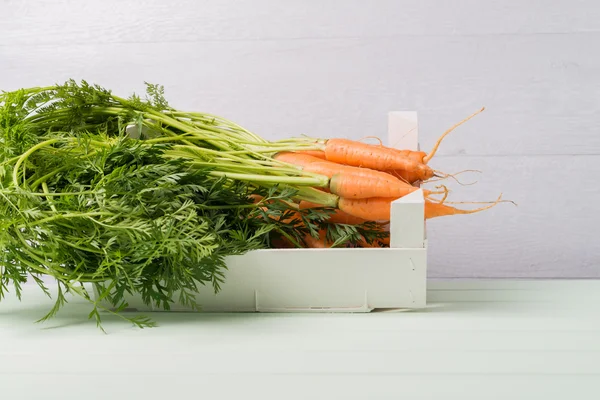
[336, 67]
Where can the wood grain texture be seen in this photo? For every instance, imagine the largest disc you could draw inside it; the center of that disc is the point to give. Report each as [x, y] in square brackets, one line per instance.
[346, 87]
[156, 21]
[158, 385]
[551, 233]
[336, 68]
[476, 349]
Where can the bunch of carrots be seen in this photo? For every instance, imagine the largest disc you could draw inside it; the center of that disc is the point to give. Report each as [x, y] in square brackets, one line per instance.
[368, 178]
[354, 181]
[132, 195]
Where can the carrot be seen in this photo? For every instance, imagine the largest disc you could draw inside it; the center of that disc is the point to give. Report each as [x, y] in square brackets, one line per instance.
[313, 153]
[256, 198]
[339, 217]
[362, 187]
[281, 243]
[381, 158]
[412, 176]
[453, 176]
[371, 209]
[360, 183]
[378, 208]
[329, 168]
[433, 210]
[293, 218]
[380, 241]
[320, 243]
[349, 181]
[295, 158]
[304, 205]
[383, 242]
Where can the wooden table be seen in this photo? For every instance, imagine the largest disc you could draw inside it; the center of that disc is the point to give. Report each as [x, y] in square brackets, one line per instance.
[476, 340]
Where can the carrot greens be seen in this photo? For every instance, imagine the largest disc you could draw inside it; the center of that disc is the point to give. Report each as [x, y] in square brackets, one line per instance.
[132, 196]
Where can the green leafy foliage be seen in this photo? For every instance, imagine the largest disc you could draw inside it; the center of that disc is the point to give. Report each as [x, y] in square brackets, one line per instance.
[84, 203]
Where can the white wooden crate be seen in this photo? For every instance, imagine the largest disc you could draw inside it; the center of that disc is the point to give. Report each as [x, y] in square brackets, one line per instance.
[332, 280]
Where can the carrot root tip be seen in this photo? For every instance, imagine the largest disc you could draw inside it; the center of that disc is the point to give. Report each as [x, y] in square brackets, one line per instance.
[442, 176]
[439, 141]
[372, 137]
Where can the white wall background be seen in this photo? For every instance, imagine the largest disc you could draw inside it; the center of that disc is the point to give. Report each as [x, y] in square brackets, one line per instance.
[336, 67]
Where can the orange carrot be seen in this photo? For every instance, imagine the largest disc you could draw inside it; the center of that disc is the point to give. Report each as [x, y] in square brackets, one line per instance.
[381, 158]
[378, 208]
[305, 205]
[360, 183]
[320, 243]
[379, 242]
[433, 210]
[372, 209]
[281, 243]
[339, 217]
[412, 176]
[329, 168]
[410, 166]
[313, 153]
[383, 242]
[362, 187]
[349, 181]
[299, 159]
[256, 198]
[313, 243]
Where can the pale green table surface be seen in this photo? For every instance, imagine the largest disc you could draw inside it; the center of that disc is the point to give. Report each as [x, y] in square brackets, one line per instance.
[476, 340]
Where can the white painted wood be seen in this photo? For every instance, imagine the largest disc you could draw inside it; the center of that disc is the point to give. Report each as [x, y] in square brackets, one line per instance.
[407, 227]
[346, 87]
[139, 21]
[403, 130]
[271, 386]
[454, 349]
[551, 233]
[314, 280]
[337, 67]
